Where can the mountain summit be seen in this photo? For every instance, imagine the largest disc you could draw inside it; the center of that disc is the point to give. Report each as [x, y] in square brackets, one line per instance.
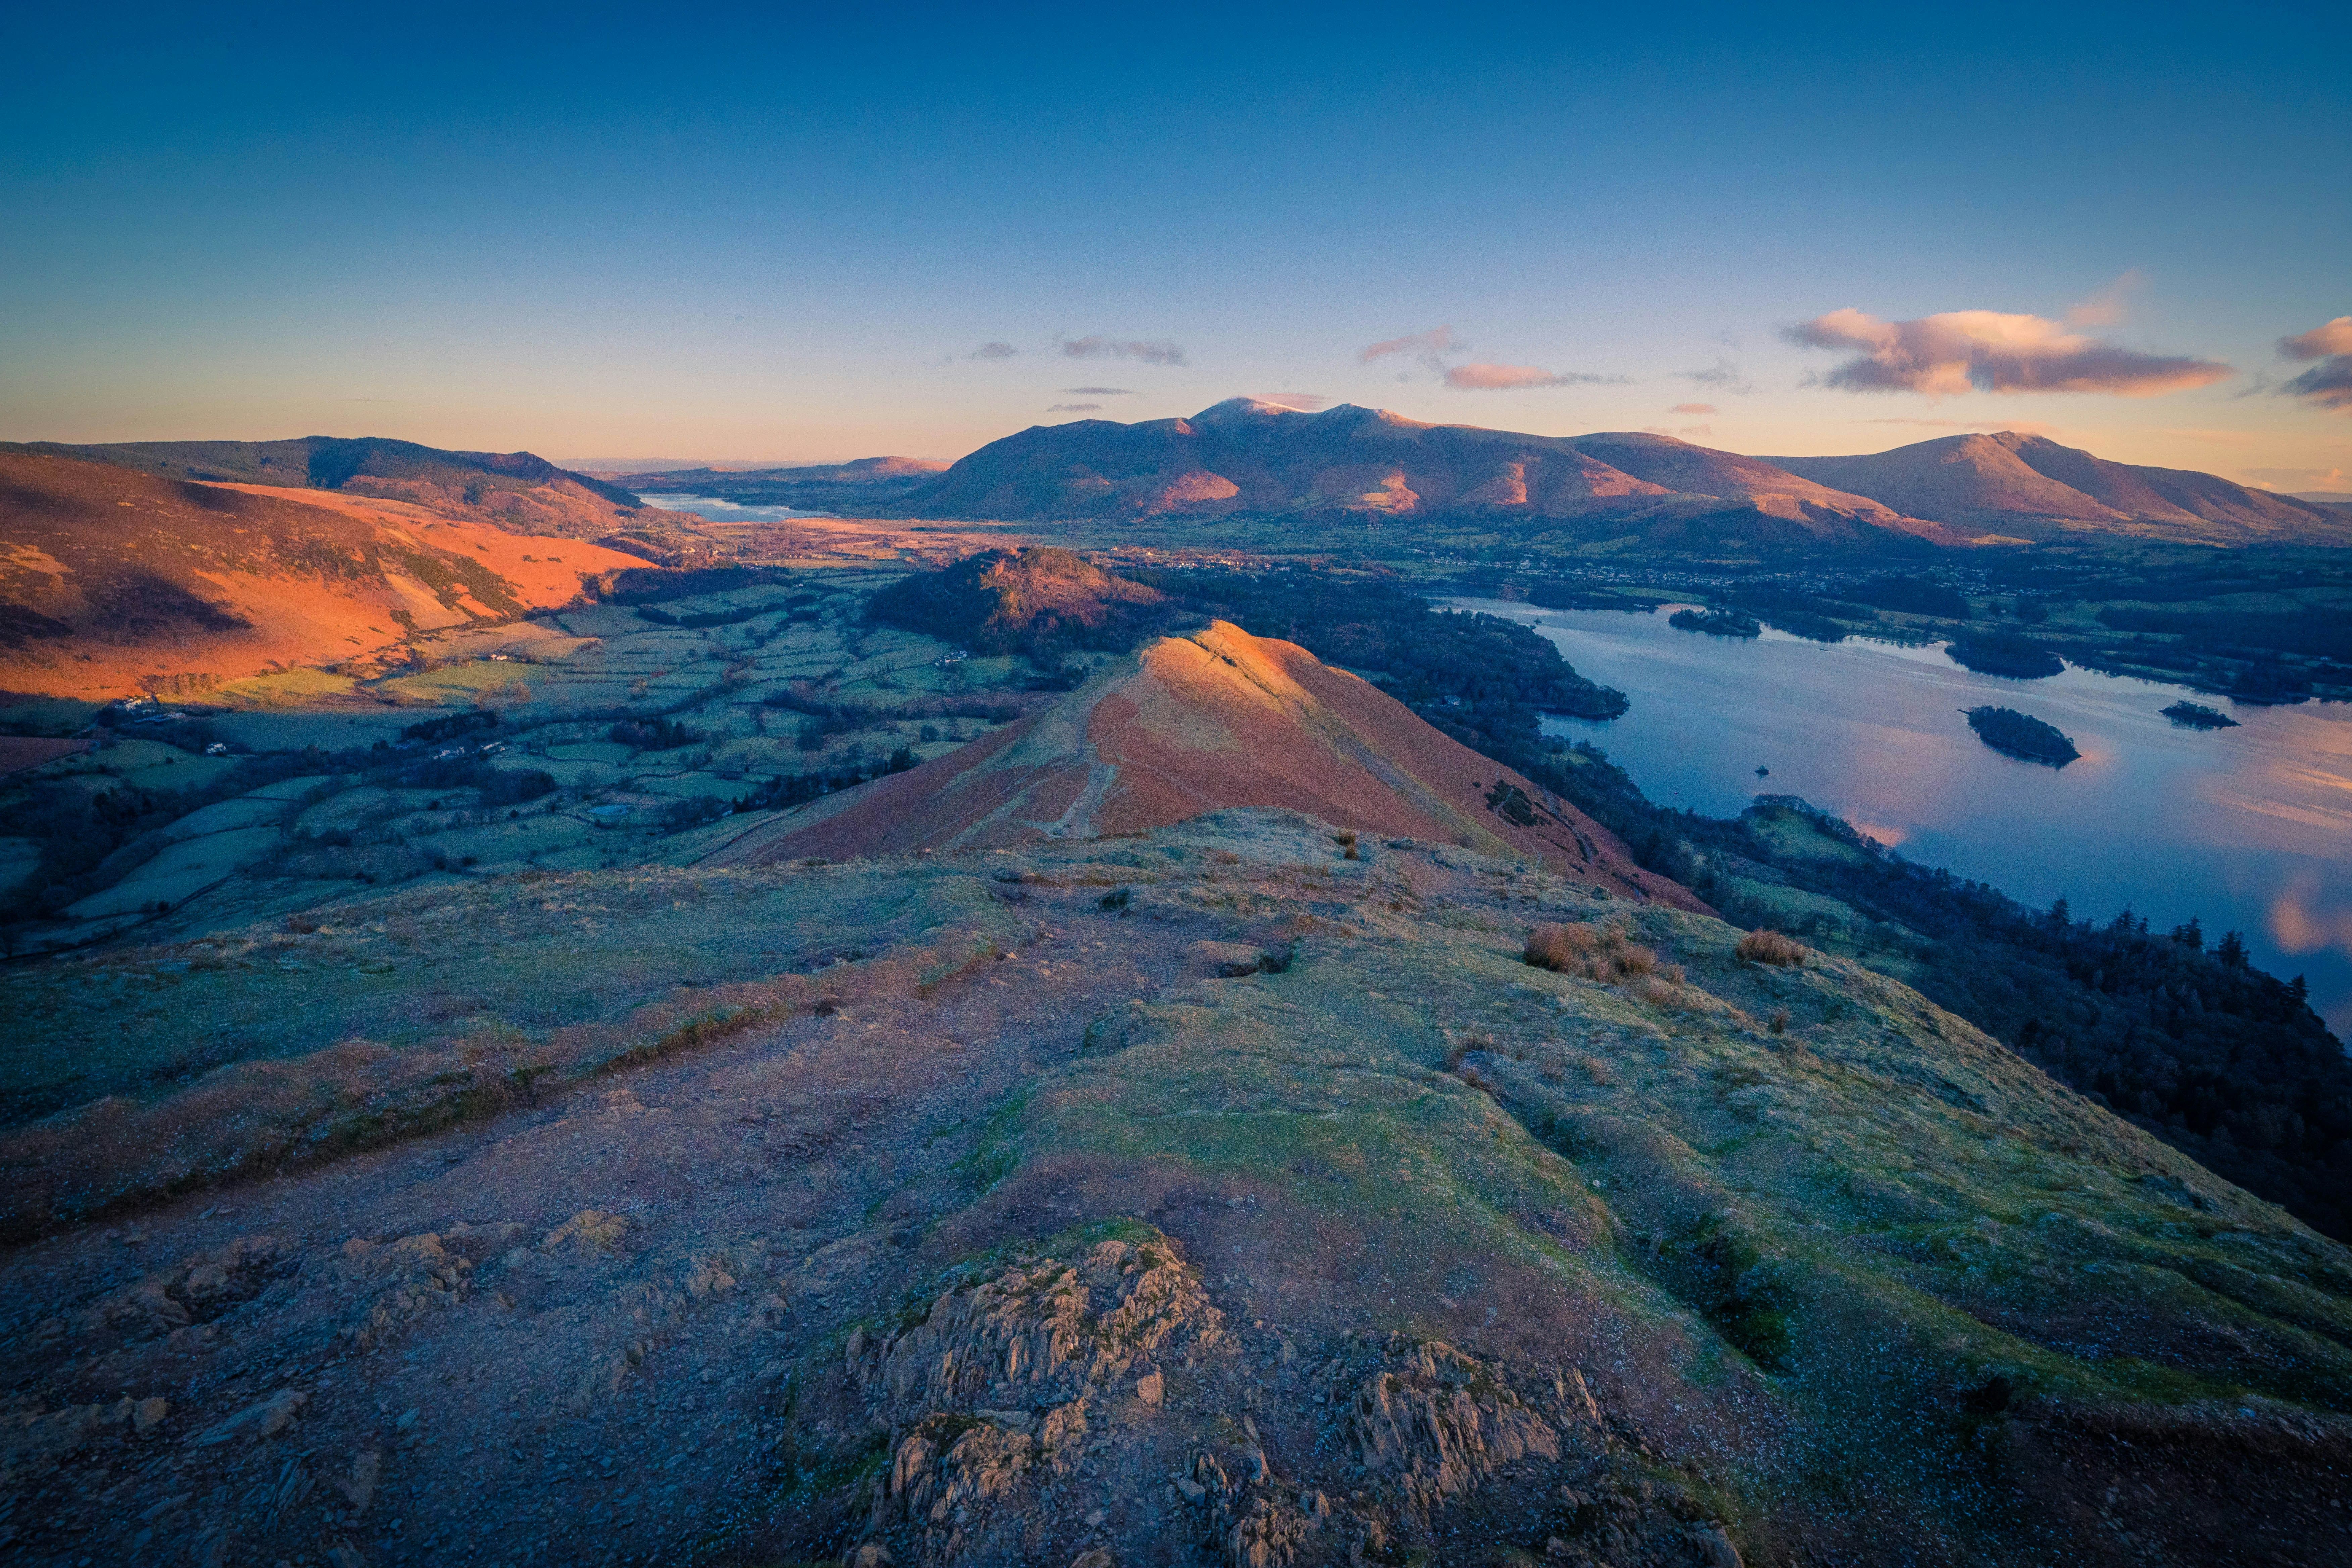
[1202, 722]
[2032, 485]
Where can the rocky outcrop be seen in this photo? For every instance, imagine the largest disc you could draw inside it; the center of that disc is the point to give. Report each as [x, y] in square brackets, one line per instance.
[1003, 1383]
[1438, 1422]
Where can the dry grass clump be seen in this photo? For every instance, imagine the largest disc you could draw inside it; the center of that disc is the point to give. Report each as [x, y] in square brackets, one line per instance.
[1345, 839]
[1601, 953]
[1770, 947]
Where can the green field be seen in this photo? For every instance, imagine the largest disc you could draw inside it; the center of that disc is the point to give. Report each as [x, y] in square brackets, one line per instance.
[558, 685]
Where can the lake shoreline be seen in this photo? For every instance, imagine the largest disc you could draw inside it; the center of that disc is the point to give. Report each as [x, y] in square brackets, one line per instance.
[2248, 827]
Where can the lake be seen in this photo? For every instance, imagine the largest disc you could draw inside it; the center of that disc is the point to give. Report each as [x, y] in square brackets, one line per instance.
[716, 511]
[2248, 829]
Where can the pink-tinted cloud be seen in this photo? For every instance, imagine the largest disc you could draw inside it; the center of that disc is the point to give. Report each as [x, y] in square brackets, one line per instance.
[2330, 337]
[1304, 402]
[1436, 340]
[1989, 350]
[1160, 352]
[1098, 390]
[1072, 407]
[1517, 377]
[2328, 383]
[1693, 408]
[993, 351]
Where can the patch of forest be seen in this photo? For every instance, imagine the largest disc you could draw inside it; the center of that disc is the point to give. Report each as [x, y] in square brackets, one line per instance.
[2018, 657]
[2022, 735]
[1715, 623]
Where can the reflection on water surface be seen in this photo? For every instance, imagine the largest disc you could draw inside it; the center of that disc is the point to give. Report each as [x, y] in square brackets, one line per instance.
[2248, 829]
[716, 511]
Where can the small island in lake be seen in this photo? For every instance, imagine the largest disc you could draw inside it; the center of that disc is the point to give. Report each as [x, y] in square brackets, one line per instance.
[2021, 659]
[1715, 623]
[2197, 716]
[2022, 735]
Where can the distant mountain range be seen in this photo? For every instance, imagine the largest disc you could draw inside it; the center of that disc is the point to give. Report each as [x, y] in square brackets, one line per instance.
[514, 489]
[1353, 464]
[866, 484]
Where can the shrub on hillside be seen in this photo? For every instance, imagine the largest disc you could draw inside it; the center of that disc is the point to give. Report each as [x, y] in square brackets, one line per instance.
[1770, 947]
[1601, 953]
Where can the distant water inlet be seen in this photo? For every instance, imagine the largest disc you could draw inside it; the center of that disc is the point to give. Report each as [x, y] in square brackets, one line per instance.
[2247, 829]
[716, 511]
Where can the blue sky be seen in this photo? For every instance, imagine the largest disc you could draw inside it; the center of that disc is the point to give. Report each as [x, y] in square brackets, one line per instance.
[714, 234]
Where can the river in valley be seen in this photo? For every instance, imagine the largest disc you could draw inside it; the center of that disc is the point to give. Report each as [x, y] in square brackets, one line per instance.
[2248, 829]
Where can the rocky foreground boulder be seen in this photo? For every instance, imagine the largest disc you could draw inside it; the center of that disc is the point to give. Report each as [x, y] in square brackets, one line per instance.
[1229, 1192]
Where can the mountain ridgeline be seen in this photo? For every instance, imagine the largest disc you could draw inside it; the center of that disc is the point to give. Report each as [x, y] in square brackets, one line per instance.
[515, 490]
[1354, 465]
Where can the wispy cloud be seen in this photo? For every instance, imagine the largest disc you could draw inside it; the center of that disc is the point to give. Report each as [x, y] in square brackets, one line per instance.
[1987, 350]
[2321, 479]
[2328, 383]
[1722, 375]
[1423, 345]
[1097, 392]
[1693, 408]
[1516, 377]
[1431, 347]
[993, 351]
[1304, 402]
[1161, 352]
[1072, 407]
[2109, 305]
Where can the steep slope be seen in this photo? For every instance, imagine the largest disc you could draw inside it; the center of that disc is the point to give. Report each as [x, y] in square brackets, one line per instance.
[515, 490]
[2032, 485]
[112, 579]
[1243, 455]
[1192, 723]
[1000, 1209]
